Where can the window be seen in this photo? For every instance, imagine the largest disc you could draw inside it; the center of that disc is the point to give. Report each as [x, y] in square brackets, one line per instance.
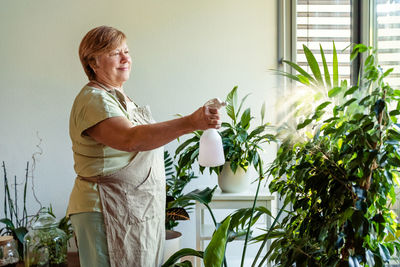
[388, 38]
[319, 22]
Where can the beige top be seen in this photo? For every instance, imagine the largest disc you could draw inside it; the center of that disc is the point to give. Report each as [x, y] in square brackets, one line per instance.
[91, 158]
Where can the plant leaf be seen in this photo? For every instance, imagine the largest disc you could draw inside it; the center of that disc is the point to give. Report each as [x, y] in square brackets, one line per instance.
[20, 233]
[241, 104]
[334, 91]
[215, 252]
[326, 71]
[312, 62]
[231, 100]
[177, 214]
[335, 65]
[182, 253]
[204, 196]
[245, 119]
[300, 70]
[8, 223]
[194, 139]
[262, 112]
[351, 90]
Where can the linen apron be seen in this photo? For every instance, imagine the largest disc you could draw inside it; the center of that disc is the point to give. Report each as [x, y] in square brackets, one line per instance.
[133, 203]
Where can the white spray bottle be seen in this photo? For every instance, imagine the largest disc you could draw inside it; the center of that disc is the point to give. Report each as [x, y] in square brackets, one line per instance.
[211, 152]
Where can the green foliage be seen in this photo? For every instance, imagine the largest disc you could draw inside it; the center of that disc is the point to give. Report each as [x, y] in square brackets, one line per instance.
[176, 178]
[340, 178]
[215, 251]
[171, 262]
[17, 221]
[242, 144]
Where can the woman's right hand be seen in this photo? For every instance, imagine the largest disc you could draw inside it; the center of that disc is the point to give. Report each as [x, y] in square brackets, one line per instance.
[204, 118]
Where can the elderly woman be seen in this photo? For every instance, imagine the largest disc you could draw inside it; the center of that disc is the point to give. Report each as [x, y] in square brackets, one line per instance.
[118, 199]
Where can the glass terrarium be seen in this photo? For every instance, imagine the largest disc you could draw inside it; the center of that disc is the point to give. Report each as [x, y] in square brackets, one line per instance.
[45, 244]
[8, 251]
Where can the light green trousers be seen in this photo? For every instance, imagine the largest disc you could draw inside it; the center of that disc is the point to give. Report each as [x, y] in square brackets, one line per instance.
[92, 241]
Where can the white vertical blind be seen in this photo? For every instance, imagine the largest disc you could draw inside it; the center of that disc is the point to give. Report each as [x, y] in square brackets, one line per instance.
[321, 22]
[388, 38]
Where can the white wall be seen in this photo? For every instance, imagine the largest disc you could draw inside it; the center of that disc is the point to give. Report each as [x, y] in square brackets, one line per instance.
[184, 53]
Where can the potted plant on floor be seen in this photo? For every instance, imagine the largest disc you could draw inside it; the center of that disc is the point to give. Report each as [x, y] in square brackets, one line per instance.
[176, 208]
[242, 145]
[340, 175]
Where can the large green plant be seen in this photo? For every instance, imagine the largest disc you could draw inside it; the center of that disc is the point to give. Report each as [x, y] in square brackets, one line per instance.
[340, 178]
[242, 144]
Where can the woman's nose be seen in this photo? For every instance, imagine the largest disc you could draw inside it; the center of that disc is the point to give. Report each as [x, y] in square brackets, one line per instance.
[125, 57]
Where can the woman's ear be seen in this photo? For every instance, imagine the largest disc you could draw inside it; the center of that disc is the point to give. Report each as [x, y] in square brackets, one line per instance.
[93, 64]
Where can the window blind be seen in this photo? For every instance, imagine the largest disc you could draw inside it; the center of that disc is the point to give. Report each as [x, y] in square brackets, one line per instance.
[321, 22]
[388, 38]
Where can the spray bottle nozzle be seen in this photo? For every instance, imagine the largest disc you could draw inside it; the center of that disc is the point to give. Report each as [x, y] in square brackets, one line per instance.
[215, 103]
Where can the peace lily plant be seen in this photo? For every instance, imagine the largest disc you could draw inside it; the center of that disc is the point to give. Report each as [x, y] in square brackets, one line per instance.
[242, 143]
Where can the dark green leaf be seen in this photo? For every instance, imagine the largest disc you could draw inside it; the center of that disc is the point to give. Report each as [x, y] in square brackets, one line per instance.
[323, 105]
[203, 196]
[8, 223]
[351, 90]
[304, 124]
[182, 253]
[20, 232]
[245, 119]
[194, 139]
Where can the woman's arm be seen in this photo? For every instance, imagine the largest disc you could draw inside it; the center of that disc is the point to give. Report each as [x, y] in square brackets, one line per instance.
[119, 133]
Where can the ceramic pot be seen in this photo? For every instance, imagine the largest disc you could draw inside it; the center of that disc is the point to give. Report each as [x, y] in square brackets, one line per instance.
[230, 182]
[172, 243]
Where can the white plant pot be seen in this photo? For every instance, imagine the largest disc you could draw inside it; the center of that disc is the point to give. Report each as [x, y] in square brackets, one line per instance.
[172, 243]
[230, 182]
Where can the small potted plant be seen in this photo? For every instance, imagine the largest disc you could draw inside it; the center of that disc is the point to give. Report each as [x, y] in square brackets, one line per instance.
[242, 145]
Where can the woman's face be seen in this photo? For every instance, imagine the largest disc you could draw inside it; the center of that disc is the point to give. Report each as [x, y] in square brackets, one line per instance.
[114, 67]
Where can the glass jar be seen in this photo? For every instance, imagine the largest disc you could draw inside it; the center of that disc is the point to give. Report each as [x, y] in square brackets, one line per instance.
[45, 244]
[8, 251]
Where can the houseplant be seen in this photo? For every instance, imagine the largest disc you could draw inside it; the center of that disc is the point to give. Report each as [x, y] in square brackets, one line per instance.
[242, 145]
[176, 208]
[176, 180]
[16, 219]
[340, 175]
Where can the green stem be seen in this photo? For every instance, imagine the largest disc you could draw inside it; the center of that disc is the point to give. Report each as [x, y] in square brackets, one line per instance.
[212, 214]
[260, 171]
[5, 190]
[25, 213]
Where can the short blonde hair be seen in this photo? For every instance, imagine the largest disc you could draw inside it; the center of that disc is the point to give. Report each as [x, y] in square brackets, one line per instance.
[97, 41]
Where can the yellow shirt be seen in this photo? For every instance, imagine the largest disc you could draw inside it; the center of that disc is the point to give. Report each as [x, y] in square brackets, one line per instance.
[91, 158]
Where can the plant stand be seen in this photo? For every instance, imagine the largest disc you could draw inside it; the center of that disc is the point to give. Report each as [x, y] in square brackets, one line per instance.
[227, 201]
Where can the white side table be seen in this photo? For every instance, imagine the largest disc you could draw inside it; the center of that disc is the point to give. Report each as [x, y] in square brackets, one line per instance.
[227, 201]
